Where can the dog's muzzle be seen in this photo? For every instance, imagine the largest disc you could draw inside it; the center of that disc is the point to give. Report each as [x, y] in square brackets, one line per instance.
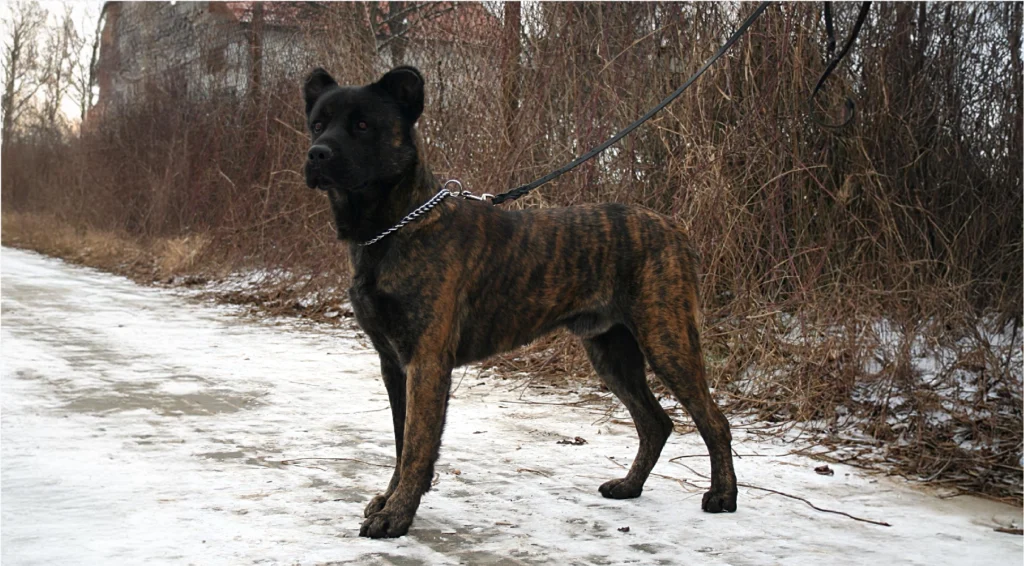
[317, 158]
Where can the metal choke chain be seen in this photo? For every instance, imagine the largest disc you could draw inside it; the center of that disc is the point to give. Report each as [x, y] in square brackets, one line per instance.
[423, 209]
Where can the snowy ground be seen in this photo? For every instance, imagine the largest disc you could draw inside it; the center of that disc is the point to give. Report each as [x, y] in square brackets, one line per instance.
[141, 427]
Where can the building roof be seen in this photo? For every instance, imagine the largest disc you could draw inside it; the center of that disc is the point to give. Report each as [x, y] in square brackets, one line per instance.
[464, 22]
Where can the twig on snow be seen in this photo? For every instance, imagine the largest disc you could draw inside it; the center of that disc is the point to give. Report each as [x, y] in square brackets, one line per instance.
[813, 506]
[459, 384]
[798, 498]
[368, 411]
[734, 454]
[684, 483]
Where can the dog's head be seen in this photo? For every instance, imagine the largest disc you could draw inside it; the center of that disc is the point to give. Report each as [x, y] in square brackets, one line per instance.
[362, 136]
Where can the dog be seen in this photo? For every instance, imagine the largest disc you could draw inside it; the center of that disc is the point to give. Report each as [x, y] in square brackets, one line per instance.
[467, 280]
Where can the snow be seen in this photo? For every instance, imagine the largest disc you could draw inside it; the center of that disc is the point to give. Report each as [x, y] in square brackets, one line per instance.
[140, 426]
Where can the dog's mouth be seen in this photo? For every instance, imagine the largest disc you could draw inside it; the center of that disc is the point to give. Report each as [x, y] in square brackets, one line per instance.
[317, 179]
[329, 185]
[321, 182]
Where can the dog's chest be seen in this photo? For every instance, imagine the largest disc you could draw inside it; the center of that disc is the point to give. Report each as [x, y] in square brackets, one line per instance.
[385, 318]
[370, 308]
[370, 303]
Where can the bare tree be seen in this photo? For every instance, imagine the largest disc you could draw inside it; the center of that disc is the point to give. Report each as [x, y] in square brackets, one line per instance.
[83, 73]
[56, 77]
[23, 20]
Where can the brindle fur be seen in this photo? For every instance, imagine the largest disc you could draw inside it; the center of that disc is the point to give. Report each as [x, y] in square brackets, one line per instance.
[470, 280]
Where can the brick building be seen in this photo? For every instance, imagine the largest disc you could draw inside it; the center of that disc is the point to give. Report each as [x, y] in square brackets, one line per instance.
[206, 49]
[202, 48]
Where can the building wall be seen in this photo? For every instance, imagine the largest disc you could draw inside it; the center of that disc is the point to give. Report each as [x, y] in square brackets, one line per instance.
[193, 49]
[204, 49]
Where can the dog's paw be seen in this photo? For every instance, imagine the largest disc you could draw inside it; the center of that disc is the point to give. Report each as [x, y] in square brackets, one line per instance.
[620, 489]
[375, 505]
[717, 501]
[386, 524]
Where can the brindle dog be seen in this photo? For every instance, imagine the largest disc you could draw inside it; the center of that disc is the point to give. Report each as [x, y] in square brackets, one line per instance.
[469, 280]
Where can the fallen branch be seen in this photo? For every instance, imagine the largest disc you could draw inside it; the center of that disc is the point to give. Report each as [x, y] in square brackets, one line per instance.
[680, 481]
[368, 411]
[813, 506]
[734, 454]
[798, 498]
[565, 404]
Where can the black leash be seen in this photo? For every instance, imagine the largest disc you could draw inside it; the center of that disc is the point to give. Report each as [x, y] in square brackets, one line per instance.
[520, 191]
[830, 31]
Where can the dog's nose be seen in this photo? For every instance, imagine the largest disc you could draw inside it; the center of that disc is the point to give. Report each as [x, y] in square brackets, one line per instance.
[319, 153]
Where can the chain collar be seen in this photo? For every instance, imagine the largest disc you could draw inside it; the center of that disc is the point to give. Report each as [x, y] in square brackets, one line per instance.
[425, 207]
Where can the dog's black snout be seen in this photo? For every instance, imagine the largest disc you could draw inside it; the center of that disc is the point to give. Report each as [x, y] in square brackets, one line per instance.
[319, 153]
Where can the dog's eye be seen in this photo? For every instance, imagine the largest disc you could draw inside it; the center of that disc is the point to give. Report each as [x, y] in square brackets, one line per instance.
[318, 127]
[362, 125]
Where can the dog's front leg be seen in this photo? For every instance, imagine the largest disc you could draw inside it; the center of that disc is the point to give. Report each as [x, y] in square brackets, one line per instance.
[426, 401]
[394, 380]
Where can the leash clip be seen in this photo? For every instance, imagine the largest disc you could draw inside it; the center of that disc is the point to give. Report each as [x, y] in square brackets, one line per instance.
[471, 196]
[464, 194]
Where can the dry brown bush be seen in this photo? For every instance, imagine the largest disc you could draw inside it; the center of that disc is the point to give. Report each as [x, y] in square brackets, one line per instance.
[836, 262]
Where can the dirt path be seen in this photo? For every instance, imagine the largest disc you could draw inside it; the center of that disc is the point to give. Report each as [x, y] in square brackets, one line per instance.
[141, 427]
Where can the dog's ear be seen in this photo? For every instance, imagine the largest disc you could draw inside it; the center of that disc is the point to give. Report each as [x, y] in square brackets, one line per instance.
[405, 85]
[316, 83]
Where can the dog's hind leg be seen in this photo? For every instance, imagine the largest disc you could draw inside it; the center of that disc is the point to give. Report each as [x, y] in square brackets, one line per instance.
[672, 345]
[620, 364]
[394, 381]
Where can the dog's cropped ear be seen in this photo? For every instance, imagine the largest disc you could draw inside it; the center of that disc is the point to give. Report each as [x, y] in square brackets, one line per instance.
[405, 85]
[316, 83]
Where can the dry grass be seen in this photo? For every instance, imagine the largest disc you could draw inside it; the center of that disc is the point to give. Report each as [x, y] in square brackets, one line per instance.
[154, 259]
[45, 233]
[175, 256]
